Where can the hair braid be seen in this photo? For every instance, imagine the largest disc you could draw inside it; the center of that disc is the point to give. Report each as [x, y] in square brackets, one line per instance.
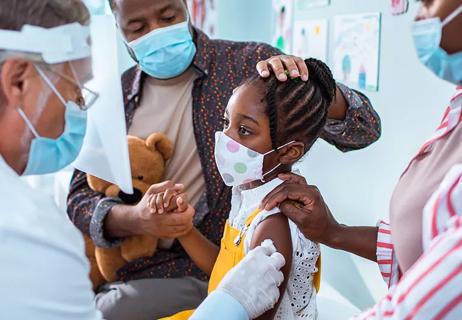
[320, 73]
[272, 110]
[297, 110]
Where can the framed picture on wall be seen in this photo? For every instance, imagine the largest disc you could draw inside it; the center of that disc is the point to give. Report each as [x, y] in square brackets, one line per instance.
[310, 39]
[284, 18]
[356, 50]
[399, 6]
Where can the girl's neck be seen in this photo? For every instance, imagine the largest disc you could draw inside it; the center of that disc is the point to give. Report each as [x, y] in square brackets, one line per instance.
[268, 178]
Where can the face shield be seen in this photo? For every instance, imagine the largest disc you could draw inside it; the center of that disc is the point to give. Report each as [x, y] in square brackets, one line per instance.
[105, 150]
[104, 153]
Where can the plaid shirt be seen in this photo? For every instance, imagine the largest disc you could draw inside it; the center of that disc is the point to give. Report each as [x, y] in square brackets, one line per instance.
[222, 66]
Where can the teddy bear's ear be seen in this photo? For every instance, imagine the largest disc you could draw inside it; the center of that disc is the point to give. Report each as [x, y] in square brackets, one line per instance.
[159, 141]
[97, 184]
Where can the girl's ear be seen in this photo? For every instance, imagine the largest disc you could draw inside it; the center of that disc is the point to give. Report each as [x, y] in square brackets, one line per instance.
[291, 153]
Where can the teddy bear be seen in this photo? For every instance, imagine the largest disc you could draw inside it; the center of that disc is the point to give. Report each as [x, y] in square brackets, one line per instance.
[148, 163]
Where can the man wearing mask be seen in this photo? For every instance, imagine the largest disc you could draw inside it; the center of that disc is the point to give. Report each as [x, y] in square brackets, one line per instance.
[180, 87]
[42, 124]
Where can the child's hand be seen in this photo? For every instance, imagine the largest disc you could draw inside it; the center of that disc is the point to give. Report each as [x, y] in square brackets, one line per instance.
[168, 201]
[182, 202]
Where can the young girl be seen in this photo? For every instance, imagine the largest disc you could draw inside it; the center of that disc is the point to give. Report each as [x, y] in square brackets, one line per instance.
[268, 126]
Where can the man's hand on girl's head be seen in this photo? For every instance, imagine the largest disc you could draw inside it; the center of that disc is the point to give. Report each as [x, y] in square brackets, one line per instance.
[280, 64]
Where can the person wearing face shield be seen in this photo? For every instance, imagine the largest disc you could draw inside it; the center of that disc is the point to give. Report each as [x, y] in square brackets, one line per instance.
[419, 249]
[45, 64]
[44, 274]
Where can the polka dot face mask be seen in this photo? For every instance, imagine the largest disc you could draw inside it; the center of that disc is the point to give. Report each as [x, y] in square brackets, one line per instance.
[238, 164]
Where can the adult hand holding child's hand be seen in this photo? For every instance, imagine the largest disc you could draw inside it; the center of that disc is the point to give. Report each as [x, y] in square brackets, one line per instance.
[164, 211]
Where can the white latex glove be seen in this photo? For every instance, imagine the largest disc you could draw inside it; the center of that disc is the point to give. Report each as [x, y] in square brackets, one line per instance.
[255, 281]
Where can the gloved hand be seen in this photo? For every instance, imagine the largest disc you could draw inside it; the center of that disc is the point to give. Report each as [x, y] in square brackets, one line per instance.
[255, 281]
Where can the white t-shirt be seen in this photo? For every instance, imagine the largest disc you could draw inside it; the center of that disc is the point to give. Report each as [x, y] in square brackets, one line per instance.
[167, 106]
[43, 268]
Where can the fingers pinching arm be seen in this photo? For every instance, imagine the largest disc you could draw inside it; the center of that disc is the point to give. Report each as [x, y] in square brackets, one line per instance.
[305, 206]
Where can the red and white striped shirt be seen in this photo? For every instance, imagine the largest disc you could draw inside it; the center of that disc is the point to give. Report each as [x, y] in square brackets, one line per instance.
[432, 287]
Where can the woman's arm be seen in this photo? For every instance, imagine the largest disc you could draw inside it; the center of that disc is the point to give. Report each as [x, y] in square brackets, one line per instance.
[361, 241]
[276, 228]
[304, 205]
[202, 251]
[432, 289]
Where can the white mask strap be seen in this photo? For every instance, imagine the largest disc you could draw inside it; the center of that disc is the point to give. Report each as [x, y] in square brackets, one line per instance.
[272, 170]
[74, 73]
[28, 123]
[452, 16]
[50, 84]
[279, 148]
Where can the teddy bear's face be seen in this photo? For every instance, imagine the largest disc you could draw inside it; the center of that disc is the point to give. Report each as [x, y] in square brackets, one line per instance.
[148, 166]
[148, 161]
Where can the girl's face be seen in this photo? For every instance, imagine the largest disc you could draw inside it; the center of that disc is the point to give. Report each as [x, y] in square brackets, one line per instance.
[451, 41]
[246, 122]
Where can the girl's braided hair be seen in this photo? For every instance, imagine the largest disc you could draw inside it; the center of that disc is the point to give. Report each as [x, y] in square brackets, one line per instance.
[297, 110]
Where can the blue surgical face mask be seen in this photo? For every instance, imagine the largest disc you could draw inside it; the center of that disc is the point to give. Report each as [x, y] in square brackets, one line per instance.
[51, 155]
[427, 37]
[165, 53]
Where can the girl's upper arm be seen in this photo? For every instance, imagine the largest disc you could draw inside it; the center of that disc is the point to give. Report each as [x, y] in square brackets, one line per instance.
[276, 228]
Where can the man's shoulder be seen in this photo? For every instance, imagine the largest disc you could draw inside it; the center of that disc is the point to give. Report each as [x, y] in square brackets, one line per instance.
[242, 45]
[129, 78]
[130, 74]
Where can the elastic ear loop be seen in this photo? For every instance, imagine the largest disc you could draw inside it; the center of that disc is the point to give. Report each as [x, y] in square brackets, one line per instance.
[452, 16]
[50, 84]
[53, 88]
[76, 77]
[28, 123]
[278, 165]
[272, 170]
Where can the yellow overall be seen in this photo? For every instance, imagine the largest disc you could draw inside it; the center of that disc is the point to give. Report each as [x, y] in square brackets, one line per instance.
[231, 253]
